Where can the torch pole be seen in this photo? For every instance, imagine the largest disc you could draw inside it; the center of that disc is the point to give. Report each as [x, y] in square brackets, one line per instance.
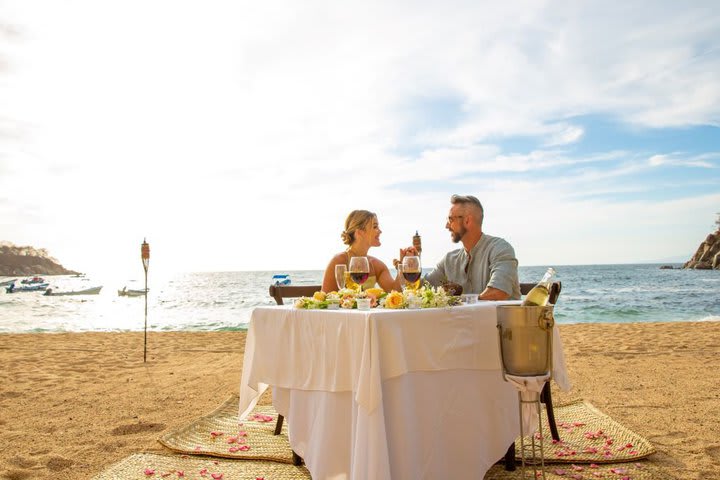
[145, 256]
[145, 345]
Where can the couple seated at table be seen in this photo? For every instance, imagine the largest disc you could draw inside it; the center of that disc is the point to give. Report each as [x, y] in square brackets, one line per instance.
[486, 265]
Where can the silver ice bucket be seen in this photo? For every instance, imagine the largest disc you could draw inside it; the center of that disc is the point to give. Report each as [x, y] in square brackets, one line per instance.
[525, 339]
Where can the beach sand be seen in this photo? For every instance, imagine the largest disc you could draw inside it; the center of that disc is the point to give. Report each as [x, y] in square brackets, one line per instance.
[73, 404]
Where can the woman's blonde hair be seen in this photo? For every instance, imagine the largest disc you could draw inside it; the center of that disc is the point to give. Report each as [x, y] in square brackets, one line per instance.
[357, 220]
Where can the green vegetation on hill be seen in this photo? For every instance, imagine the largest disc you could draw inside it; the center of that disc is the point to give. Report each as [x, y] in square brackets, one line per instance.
[26, 260]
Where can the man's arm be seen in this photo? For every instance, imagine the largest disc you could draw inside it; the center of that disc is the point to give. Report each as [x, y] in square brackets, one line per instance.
[437, 277]
[491, 293]
[504, 273]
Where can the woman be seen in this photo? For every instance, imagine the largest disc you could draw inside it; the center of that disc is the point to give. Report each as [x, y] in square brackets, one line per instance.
[361, 232]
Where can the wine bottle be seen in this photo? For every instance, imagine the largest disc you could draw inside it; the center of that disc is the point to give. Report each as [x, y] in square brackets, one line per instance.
[540, 293]
[417, 243]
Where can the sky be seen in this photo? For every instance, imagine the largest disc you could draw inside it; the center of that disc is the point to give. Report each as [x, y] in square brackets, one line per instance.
[238, 135]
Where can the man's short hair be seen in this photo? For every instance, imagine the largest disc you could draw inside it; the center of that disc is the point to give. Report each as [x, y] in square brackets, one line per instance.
[469, 200]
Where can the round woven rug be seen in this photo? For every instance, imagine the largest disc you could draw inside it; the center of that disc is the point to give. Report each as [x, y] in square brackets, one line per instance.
[143, 466]
[589, 436]
[221, 435]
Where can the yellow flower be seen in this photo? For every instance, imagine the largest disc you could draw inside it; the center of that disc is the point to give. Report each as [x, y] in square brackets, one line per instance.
[394, 300]
[374, 292]
[319, 296]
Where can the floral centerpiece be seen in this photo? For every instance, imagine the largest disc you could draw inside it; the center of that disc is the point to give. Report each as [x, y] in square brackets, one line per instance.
[425, 297]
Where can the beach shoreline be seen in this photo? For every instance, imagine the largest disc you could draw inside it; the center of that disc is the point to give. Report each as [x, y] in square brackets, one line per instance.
[75, 403]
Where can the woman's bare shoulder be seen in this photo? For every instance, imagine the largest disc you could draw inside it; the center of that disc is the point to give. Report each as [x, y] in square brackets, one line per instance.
[339, 258]
[377, 262]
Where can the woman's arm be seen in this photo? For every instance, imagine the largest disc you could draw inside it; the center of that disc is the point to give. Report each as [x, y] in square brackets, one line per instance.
[329, 283]
[384, 278]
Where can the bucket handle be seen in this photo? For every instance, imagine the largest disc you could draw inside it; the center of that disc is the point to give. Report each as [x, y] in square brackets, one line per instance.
[546, 321]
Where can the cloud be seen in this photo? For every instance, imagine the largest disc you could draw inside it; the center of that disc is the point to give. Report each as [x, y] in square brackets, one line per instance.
[678, 159]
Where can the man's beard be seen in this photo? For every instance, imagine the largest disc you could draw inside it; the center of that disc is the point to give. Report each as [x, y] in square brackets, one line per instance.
[457, 236]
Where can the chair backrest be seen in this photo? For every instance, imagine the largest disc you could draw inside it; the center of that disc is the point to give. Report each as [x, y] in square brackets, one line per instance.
[278, 292]
[554, 290]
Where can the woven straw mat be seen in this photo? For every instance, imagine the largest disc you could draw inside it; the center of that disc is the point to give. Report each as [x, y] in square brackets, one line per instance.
[589, 436]
[617, 471]
[153, 466]
[220, 435]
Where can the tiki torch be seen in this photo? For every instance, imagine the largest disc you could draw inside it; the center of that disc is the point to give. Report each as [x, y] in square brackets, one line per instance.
[145, 255]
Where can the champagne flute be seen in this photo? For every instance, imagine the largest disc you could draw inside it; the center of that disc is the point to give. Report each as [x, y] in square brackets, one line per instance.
[340, 270]
[359, 270]
[401, 277]
[411, 271]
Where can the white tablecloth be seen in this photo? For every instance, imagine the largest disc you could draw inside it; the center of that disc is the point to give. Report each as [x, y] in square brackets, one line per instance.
[387, 393]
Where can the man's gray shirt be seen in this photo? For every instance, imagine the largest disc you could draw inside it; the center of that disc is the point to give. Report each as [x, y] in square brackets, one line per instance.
[492, 263]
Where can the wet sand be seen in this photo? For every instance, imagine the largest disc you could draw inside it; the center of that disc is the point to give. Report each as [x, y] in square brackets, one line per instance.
[73, 404]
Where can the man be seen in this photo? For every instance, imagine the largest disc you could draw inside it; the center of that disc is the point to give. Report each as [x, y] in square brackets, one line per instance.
[486, 264]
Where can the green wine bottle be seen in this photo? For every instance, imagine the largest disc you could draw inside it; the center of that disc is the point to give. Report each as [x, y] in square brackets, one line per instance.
[540, 293]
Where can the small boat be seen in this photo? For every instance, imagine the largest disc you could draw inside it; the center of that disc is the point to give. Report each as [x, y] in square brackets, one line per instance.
[33, 280]
[26, 288]
[281, 279]
[128, 292]
[85, 291]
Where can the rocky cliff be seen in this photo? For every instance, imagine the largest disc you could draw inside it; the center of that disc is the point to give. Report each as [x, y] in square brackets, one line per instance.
[707, 256]
[15, 260]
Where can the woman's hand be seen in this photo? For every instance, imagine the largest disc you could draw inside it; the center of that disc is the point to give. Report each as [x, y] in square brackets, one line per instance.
[404, 252]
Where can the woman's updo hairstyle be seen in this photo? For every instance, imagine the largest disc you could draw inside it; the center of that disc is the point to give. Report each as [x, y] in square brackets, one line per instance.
[357, 220]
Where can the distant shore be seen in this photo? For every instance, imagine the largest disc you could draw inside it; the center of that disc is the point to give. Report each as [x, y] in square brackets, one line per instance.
[74, 403]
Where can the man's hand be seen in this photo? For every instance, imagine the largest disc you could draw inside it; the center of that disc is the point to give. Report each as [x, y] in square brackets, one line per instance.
[404, 252]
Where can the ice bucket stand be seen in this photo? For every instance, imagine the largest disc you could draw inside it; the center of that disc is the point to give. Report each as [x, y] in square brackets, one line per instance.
[525, 336]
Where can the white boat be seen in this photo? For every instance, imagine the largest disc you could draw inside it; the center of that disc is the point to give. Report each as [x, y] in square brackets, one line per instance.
[128, 292]
[13, 288]
[85, 291]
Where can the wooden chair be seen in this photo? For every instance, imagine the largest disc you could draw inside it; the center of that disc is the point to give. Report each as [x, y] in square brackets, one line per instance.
[279, 292]
[545, 394]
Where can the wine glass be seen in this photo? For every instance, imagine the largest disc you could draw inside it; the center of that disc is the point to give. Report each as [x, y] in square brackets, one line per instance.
[359, 270]
[411, 271]
[340, 270]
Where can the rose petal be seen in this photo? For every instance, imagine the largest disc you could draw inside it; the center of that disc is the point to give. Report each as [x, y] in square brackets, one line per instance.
[149, 471]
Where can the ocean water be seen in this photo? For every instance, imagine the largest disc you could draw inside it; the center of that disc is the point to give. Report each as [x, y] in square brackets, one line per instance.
[224, 300]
